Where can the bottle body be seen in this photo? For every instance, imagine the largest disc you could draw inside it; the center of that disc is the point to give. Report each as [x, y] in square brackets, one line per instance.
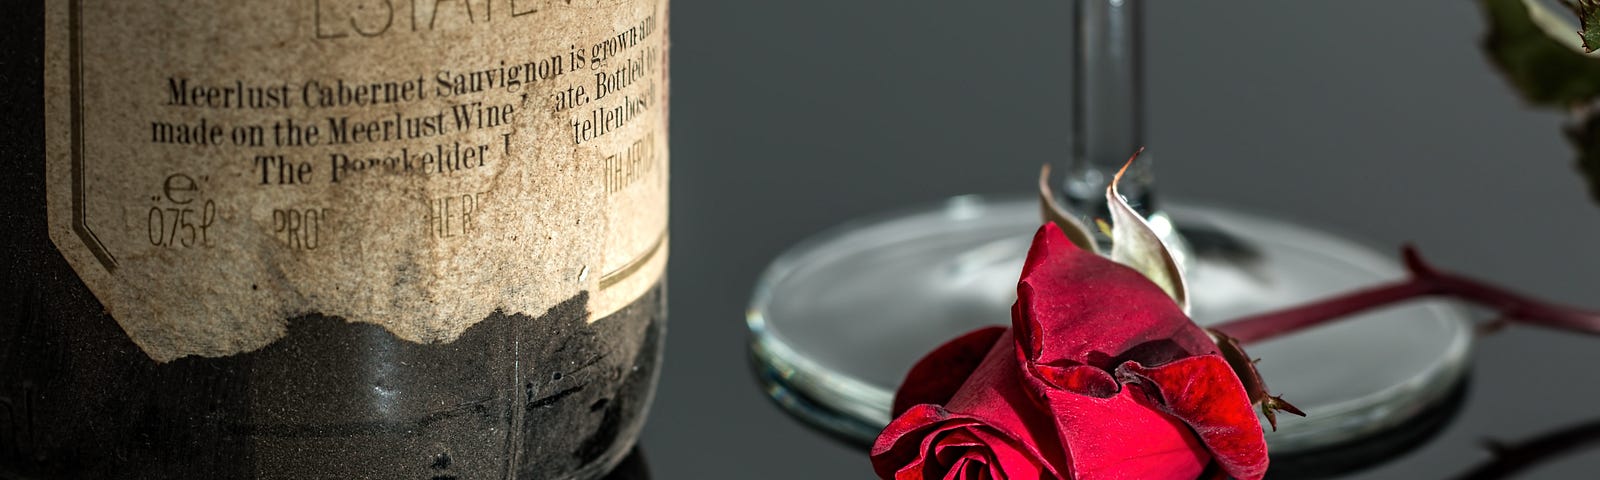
[334, 239]
[333, 400]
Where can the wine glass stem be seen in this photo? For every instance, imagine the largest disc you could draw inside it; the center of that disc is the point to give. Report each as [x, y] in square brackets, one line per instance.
[1108, 108]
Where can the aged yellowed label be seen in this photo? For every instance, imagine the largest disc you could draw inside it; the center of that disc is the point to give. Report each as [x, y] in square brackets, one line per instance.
[215, 168]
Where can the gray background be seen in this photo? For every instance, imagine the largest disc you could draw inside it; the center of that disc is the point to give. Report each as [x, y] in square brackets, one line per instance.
[1377, 119]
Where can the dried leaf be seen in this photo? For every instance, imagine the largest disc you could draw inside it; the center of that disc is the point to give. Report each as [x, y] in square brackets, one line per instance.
[1254, 386]
[1135, 244]
[1539, 55]
[1053, 212]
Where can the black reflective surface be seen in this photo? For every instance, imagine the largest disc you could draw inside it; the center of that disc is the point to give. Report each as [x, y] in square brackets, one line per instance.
[1379, 120]
[1348, 458]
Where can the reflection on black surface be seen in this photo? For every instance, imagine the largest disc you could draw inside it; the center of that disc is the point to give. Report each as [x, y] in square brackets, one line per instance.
[1371, 451]
[633, 467]
[1511, 459]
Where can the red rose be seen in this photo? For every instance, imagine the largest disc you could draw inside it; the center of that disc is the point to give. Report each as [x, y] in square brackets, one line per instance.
[1100, 376]
[978, 431]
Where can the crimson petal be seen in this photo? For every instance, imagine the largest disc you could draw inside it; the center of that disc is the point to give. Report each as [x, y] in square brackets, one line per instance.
[936, 377]
[1124, 437]
[1204, 393]
[1110, 312]
[908, 448]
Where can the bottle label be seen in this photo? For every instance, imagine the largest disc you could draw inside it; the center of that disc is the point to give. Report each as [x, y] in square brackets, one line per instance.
[215, 168]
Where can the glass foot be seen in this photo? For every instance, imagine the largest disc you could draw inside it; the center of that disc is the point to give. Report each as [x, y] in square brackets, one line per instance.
[838, 320]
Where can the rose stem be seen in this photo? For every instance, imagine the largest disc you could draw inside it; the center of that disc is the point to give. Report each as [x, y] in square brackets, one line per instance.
[1423, 281]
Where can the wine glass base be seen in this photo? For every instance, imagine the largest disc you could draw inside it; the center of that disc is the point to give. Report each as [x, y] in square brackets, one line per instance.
[838, 320]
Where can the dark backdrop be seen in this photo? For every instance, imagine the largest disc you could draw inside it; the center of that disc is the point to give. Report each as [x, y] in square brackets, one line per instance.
[1375, 118]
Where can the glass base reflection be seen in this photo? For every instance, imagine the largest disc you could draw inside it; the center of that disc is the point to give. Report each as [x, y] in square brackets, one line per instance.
[838, 320]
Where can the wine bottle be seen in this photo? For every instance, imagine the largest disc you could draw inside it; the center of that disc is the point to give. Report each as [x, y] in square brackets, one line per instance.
[331, 238]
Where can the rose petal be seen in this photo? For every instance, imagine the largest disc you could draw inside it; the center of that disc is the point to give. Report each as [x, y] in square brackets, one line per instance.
[910, 447]
[1123, 436]
[968, 468]
[1077, 308]
[997, 393]
[905, 443]
[953, 447]
[1204, 392]
[935, 378]
[992, 406]
[1080, 379]
[1008, 462]
[1101, 376]
[1078, 316]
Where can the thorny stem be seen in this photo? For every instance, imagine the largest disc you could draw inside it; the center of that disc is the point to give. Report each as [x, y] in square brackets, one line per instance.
[1424, 281]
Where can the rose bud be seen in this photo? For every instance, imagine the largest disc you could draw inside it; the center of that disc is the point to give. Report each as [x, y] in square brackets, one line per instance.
[1101, 376]
[974, 431]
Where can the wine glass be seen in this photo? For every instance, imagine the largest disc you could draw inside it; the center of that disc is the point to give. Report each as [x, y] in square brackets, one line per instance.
[838, 319]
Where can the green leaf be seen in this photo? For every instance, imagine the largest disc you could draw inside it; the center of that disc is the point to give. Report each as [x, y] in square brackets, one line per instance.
[1585, 137]
[1135, 244]
[1588, 12]
[1539, 55]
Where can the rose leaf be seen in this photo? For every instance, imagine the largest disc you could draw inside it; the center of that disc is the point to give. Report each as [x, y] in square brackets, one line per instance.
[1539, 55]
[1588, 12]
[1250, 378]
